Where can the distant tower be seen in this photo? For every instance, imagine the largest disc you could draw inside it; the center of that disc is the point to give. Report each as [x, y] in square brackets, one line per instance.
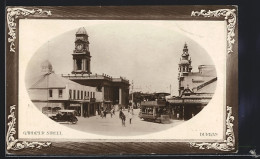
[46, 67]
[81, 54]
[184, 66]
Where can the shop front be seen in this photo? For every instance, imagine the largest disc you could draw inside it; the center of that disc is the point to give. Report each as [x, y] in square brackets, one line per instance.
[107, 105]
[77, 107]
[186, 108]
[90, 107]
[85, 108]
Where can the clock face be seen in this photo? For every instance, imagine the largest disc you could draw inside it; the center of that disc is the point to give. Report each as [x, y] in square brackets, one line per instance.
[79, 47]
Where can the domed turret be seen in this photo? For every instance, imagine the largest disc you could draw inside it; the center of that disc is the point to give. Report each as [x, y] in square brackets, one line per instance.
[46, 66]
[184, 62]
[81, 30]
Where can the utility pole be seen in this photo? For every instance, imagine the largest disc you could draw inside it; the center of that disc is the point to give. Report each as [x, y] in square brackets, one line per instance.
[132, 93]
[170, 89]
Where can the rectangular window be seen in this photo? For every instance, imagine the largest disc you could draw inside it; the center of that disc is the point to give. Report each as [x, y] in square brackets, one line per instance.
[85, 93]
[90, 94]
[70, 96]
[78, 94]
[87, 63]
[93, 94]
[60, 93]
[81, 94]
[50, 93]
[79, 63]
[74, 94]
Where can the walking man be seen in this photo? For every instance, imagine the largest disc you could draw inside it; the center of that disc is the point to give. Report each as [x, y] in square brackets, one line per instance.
[130, 116]
[102, 114]
[96, 113]
[111, 112]
[105, 113]
[122, 117]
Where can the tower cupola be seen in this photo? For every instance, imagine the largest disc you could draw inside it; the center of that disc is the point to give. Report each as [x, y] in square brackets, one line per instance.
[46, 67]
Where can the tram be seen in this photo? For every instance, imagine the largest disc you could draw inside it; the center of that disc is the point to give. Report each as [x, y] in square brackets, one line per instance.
[155, 110]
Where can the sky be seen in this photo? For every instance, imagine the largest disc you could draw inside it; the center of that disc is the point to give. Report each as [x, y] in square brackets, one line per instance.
[147, 52]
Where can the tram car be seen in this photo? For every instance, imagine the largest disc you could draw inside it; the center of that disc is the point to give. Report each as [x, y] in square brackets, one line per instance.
[156, 110]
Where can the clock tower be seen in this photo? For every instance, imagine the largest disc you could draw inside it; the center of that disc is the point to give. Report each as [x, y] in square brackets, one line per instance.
[81, 54]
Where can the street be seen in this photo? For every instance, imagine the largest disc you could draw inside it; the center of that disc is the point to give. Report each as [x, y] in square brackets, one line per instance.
[113, 126]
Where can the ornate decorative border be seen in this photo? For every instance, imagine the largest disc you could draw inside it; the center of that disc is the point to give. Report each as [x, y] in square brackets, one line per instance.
[12, 15]
[14, 144]
[230, 17]
[228, 144]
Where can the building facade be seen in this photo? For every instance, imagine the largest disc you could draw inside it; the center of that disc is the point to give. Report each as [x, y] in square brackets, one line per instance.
[115, 91]
[195, 88]
[51, 92]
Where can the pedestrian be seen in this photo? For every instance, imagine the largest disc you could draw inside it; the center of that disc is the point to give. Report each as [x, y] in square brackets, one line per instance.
[114, 111]
[130, 116]
[111, 112]
[105, 113]
[102, 114]
[87, 115]
[96, 113]
[122, 117]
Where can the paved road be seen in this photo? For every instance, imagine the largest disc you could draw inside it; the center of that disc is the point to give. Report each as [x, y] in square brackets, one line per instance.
[113, 126]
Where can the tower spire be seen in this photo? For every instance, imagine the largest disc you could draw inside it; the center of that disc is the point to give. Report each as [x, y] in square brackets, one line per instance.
[184, 66]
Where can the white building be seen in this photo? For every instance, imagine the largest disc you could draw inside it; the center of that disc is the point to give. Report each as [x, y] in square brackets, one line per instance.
[52, 92]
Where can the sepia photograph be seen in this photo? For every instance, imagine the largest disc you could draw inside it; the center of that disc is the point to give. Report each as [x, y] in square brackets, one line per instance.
[128, 78]
[154, 84]
[124, 81]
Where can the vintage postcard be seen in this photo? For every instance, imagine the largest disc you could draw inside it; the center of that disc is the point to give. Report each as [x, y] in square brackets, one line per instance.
[125, 80]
